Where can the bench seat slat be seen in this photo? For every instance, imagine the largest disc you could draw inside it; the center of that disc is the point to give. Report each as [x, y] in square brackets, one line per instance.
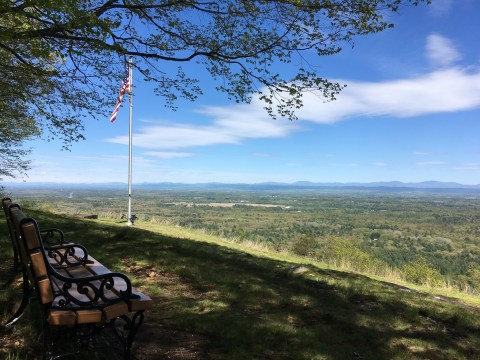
[115, 310]
[88, 316]
[96, 267]
[142, 302]
[62, 317]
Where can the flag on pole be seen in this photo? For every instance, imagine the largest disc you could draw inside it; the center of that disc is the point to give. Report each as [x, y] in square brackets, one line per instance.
[125, 88]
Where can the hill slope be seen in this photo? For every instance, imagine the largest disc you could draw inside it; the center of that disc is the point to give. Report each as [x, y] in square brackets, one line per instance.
[215, 300]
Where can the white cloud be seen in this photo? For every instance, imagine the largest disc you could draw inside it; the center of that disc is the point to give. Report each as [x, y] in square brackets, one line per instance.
[167, 154]
[170, 136]
[442, 91]
[468, 166]
[430, 163]
[231, 125]
[440, 51]
[100, 158]
[446, 90]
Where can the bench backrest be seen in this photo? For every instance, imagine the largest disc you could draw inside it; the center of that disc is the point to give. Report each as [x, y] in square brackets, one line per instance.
[6, 204]
[31, 253]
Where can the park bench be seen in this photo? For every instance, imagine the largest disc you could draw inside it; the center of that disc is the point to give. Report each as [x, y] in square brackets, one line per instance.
[50, 237]
[76, 293]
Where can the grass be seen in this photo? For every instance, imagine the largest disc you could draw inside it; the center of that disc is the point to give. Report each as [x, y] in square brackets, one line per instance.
[216, 299]
[262, 250]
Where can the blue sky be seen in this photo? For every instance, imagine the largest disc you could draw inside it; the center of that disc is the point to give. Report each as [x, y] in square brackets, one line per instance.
[410, 112]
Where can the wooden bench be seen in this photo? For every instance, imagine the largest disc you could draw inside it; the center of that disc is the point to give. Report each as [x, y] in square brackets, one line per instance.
[74, 290]
[49, 237]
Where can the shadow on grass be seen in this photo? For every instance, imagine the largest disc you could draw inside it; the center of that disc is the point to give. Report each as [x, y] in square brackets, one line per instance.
[212, 302]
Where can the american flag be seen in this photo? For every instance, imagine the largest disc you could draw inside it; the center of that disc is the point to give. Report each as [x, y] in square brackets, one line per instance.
[125, 88]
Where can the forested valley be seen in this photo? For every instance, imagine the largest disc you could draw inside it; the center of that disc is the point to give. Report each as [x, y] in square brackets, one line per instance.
[424, 237]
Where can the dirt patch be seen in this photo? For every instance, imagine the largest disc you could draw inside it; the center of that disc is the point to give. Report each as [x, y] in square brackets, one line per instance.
[169, 343]
[10, 342]
[157, 338]
[169, 283]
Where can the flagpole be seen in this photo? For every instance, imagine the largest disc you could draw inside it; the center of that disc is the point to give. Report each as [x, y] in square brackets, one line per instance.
[129, 219]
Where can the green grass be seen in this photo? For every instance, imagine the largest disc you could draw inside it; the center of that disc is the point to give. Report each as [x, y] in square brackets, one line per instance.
[220, 300]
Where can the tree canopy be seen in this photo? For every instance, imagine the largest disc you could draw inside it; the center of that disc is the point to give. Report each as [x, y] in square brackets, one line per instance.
[62, 60]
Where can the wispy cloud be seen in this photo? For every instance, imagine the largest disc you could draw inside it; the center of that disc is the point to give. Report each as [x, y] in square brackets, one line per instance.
[468, 166]
[448, 89]
[100, 158]
[441, 91]
[230, 125]
[430, 163]
[441, 51]
[120, 159]
[168, 154]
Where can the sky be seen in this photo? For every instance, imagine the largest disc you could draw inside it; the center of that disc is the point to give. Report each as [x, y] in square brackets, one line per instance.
[410, 112]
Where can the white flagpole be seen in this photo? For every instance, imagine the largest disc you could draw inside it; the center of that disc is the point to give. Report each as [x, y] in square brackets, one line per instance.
[129, 219]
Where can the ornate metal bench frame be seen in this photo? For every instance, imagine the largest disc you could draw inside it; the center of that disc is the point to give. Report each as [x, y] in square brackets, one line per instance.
[70, 295]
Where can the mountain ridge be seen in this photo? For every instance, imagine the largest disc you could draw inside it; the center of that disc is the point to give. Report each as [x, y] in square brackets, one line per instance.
[298, 185]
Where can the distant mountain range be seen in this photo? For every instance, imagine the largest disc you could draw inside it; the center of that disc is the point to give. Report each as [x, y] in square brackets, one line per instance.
[265, 186]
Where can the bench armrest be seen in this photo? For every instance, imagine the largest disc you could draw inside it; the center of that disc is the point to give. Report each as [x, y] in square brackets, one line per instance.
[67, 255]
[52, 236]
[91, 291]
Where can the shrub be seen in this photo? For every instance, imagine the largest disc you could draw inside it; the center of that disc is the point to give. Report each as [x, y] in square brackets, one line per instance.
[473, 279]
[344, 254]
[422, 272]
[304, 246]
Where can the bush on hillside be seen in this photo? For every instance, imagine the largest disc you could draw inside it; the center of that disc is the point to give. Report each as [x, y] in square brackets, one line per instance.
[421, 272]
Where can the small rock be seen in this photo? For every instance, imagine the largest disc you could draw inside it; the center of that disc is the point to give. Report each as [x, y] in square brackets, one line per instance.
[300, 270]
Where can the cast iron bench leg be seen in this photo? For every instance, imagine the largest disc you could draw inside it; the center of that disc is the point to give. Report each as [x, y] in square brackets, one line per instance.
[134, 324]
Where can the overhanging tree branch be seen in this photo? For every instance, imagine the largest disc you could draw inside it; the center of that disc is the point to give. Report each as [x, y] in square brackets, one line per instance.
[63, 59]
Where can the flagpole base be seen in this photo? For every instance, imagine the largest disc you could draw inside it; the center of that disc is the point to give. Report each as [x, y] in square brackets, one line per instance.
[129, 223]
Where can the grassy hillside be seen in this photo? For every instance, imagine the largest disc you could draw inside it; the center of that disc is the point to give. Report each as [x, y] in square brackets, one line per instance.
[219, 300]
